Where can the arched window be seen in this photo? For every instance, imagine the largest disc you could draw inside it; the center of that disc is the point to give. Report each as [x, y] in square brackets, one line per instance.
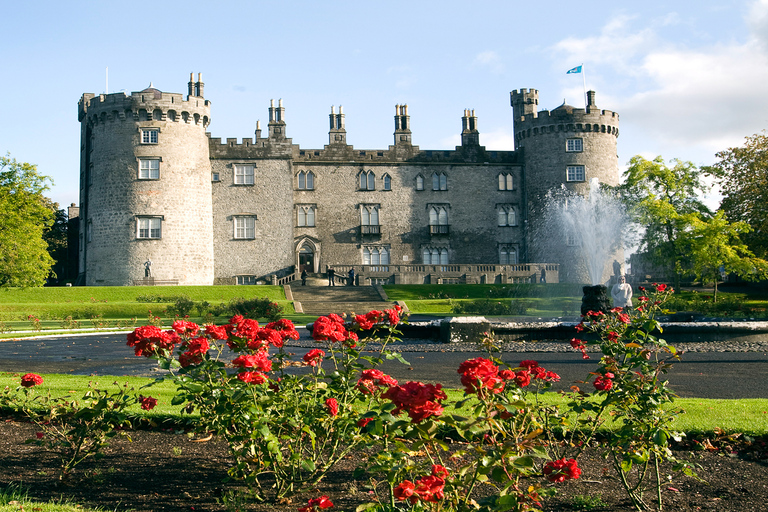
[419, 182]
[506, 182]
[369, 215]
[435, 255]
[507, 216]
[439, 181]
[507, 255]
[438, 216]
[387, 182]
[367, 180]
[306, 180]
[306, 216]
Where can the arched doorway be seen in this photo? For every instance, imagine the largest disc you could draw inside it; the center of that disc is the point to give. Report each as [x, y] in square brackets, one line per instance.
[306, 259]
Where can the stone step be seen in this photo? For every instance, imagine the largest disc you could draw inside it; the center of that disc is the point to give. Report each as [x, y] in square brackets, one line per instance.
[322, 300]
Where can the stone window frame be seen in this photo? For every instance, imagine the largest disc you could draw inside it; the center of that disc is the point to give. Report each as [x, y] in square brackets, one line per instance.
[215, 176]
[387, 182]
[441, 253]
[437, 219]
[247, 228]
[506, 181]
[508, 250]
[245, 280]
[419, 182]
[380, 252]
[366, 180]
[575, 173]
[370, 212]
[147, 171]
[149, 227]
[243, 175]
[149, 136]
[305, 180]
[505, 211]
[439, 181]
[305, 216]
[574, 145]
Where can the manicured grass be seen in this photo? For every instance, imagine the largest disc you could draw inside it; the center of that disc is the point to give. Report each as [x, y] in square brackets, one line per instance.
[14, 498]
[702, 416]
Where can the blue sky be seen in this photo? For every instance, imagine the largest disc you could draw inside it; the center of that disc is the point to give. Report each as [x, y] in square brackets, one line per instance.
[688, 78]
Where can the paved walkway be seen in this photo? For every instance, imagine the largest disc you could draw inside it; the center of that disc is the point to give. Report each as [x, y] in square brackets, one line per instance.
[722, 372]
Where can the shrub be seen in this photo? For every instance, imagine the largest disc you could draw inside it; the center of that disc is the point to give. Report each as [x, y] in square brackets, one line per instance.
[255, 308]
[182, 306]
[490, 307]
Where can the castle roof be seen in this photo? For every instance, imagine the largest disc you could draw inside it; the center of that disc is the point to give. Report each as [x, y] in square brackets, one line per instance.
[564, 108]
[157, 92]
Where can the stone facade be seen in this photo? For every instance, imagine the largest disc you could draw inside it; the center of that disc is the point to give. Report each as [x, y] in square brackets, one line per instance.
[155, 186]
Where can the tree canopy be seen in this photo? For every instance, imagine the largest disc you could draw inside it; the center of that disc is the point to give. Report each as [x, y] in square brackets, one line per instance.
[742, 174]
[663, 198]
[24, 216]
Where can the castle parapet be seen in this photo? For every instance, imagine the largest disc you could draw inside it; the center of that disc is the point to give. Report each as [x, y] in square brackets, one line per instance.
[147, 105]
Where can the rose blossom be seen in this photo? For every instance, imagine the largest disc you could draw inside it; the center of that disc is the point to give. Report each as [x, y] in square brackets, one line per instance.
[479, 374]
[314, 357]
[404, 491]
[147, 402]
[321, 503]
[559, 471]
[603, 382]
[332, 405]
[419, 400]
[252, 377]
[31, 379]
[260, 361]
[371, 379]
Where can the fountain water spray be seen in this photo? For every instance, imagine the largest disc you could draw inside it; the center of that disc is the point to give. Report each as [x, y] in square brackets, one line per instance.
[590, 227]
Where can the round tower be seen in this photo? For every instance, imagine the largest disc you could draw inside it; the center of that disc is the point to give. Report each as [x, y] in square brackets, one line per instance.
[145, 188]
[567, 148]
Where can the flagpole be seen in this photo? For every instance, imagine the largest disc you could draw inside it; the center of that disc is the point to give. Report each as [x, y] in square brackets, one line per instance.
[584, 77]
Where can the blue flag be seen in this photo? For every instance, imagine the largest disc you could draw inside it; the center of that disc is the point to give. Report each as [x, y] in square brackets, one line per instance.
[577, 69]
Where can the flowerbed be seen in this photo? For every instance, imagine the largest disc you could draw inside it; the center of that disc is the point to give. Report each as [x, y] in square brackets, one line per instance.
[289, 422]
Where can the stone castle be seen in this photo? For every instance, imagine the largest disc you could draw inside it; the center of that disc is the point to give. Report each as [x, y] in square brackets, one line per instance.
[162, 201]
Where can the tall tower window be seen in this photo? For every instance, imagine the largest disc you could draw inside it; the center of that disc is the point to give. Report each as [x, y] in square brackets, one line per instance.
[575, 173]
[574, 145]
[387, 182]
[419, 182]
[243, 175]
[149, 227]
[506, 182]
[149, 136]
[149, 169]
[306, 180]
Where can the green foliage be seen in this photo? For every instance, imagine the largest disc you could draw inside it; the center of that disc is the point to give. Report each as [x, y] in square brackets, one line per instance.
[491, 307]
[253, 308]
[742, 174]
[481, 291]
[24, 217]
[181, 307]
[663, 200]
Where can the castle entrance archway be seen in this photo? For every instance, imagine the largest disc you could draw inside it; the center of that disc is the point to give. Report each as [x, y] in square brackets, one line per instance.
[306, 259]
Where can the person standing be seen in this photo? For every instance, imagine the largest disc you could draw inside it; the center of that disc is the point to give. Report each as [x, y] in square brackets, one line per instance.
[622, 293]
[331, 275]
[304, 277]
[352, 276]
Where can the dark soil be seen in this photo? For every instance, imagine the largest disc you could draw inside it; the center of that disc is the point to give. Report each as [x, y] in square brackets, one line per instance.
[168, 471]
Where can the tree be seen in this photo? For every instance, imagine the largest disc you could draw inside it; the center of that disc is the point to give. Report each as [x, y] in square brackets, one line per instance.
[742, 174]
[663, 199]
[56, 238]
[24, 258]
[716, 249]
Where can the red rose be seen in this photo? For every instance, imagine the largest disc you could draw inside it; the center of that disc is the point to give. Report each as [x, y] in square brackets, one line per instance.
[479, 374]
[332, 405]
[185, 327]
[149, 340]
[430, 488]
[314, 357]
[613, 336]
[528, 364]
[260, 361]
[393, 316]
[420, 400]
[561, 470]
[523, 378]
[31, 379]
[321, 503]
[252, 377]
[216, 332]
[363, 322]
[147, 402]
[371, 379]
[405, 491]
[362, 422]
[661, 287]
[603, 382]
[439, 471]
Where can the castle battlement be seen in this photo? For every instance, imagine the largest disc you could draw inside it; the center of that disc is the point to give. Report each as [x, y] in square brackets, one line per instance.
[149, 104]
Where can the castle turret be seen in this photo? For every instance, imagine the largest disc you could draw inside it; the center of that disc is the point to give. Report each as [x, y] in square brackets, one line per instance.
[145, 187]
[276, 120]
[566, 147]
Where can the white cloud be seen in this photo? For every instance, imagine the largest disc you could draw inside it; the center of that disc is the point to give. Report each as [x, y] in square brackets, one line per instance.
[677, 99]
[490, 60]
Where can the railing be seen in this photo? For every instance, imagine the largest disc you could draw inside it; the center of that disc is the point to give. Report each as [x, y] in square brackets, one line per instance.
[439, 229]
[456, 273]
[370, 229]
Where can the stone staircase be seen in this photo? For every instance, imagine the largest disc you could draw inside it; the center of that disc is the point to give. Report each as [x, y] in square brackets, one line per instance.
[317, 298]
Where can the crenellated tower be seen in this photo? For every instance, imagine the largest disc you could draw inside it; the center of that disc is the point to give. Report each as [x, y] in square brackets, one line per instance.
[566, 147]
[145, 187]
